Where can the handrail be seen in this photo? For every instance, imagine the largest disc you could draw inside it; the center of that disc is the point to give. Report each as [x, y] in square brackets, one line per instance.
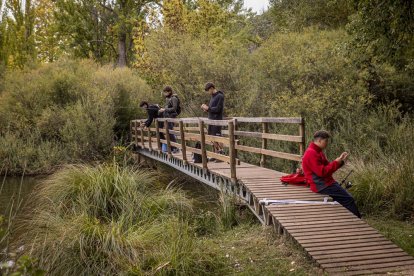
[230, 139]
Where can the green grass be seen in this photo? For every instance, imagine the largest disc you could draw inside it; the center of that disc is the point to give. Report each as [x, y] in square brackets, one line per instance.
[113, 220]
[251, 249]
[399, 232]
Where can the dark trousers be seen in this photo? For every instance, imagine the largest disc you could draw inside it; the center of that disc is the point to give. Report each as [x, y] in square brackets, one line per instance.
[342, 196]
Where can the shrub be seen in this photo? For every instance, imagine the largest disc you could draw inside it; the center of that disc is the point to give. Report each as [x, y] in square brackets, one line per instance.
[112, 220]
[70, 110]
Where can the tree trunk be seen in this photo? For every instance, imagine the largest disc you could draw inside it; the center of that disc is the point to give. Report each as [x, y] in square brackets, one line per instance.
[122, 51]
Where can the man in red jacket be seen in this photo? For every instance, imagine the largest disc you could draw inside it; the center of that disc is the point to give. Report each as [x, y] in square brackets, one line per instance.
[318, 172]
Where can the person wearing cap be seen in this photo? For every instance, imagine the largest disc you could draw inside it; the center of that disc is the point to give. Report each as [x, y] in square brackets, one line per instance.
[318, 172]
[171, 110]
[215, 110]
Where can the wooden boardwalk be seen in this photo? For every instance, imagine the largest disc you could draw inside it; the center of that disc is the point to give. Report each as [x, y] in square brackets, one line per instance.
[338, 242]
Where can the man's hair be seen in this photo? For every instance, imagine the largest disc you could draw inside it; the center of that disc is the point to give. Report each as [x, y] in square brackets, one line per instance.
[209, 85]
[168, 89]
[321, 134]
[141, 104]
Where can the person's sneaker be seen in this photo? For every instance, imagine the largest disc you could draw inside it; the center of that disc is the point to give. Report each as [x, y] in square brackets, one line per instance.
[212, 159]
[175, 151]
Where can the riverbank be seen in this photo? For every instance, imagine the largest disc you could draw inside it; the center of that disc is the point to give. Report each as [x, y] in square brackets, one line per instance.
[246, 247]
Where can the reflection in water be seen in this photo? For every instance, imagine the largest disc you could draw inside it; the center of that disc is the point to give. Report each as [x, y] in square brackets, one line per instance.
[14, 190]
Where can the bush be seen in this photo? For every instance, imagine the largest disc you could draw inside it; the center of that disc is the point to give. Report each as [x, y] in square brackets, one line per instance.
[69, 111]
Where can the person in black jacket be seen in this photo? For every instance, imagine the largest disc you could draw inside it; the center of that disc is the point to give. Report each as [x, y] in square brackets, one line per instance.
[215, 110]
[172, 110]
[153, 113]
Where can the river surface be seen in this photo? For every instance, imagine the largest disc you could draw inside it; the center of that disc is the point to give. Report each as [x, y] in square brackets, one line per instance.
[14, 191]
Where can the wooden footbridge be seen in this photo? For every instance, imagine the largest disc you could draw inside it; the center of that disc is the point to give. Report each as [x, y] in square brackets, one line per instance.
[339, 242]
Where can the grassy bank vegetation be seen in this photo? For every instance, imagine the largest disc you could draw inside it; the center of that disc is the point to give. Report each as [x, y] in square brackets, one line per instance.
[111, 220]
[108, 220]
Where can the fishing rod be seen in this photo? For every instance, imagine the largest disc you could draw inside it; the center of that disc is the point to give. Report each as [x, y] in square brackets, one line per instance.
[348, 184]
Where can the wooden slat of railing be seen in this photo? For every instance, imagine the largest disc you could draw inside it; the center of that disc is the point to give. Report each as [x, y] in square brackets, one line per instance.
[270, 136]
[285, 120]
[284, 155]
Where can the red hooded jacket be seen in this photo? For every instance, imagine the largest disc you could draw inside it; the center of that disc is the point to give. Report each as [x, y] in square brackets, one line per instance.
[317, 169]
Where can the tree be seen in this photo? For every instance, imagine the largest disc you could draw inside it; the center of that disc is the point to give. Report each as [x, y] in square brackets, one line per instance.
[298, 14]
[17, 33]
[101, 28]
[48, 39]
[382, 46]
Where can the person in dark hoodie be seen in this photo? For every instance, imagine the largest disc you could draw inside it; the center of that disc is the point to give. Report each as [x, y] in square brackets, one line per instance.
[215, 110]
[172, 110]
[153, 113]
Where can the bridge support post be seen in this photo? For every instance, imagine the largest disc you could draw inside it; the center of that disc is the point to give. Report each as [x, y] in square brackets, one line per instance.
[141, 131]
[183, 145]
[157, 129]
[167, 137]
[136, 133]
[302, 145]
[149, 139]
[232, 153]
[203, 145]
[265, 129]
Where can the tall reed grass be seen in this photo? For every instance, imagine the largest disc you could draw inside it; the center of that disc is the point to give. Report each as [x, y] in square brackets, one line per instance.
[109, 220]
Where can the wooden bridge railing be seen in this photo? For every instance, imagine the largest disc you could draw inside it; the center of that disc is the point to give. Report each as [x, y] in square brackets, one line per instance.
[194, 130]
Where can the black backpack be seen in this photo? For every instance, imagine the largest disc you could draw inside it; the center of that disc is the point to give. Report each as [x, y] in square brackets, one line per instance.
[178, 105]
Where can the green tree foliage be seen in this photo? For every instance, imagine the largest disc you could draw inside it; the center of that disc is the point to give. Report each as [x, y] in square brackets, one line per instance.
[298, 14]
[17, 33]
[101, 29]
[382, 45]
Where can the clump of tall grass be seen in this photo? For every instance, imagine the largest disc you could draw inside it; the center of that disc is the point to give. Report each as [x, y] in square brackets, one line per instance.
[108, 220]
[384, 182]
[227, 215]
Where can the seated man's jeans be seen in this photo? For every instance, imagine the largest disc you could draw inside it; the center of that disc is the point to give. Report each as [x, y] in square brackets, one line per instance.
[342, 196]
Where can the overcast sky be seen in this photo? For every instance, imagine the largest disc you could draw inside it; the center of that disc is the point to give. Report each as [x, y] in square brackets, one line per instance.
[256, 5]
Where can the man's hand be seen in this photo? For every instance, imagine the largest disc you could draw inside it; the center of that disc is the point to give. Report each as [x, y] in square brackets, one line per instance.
[161, 110]
[204, 107]
[342, 158]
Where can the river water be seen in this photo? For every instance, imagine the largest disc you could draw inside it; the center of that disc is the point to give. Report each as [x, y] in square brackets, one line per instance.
[14, 191]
